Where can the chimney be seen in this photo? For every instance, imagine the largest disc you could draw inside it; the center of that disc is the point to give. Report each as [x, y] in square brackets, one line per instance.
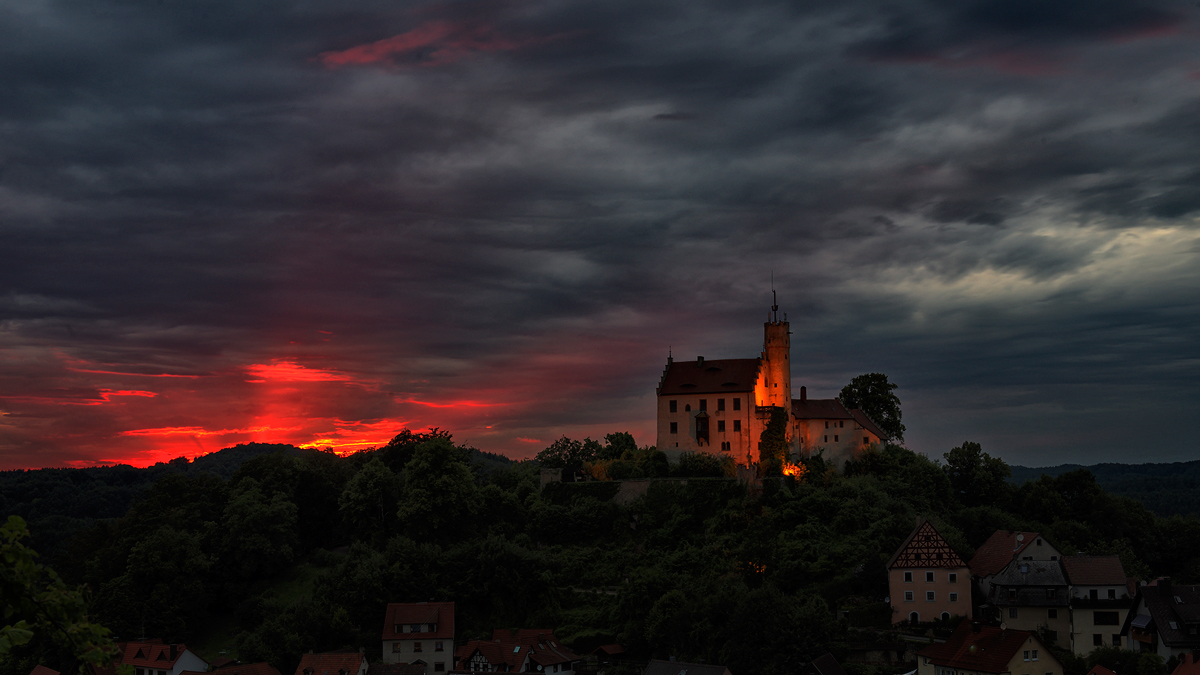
[699, 361]
[803, 394]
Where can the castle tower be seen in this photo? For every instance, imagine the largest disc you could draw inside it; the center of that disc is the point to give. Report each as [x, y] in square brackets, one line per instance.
[777, 367]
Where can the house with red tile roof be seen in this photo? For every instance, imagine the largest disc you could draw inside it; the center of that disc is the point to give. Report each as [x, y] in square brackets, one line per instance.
[1003, 547]
[1100, 670]
[975, 649]
[522, 651]
[43, 670]
[232, 667]
[333, 663]
[927, 579]
[1100, 601]
[155, 658]
[1033, 595]
[419, 633]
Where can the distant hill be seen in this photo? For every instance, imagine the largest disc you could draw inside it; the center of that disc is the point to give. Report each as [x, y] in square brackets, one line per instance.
[1166, 489]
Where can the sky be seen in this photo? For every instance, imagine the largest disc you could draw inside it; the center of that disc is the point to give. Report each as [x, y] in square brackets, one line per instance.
[320, 223]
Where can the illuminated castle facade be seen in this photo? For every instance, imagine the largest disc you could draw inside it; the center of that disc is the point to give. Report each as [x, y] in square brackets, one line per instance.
[722, 406]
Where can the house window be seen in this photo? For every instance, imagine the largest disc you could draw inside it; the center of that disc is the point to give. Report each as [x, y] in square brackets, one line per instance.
[1112, 594]
[1054, 557]
[720, 404]
[908, 577]
[721, 425]
[1026, 654]
[1106, 619]
[1012, 612]
[929, 596]
[1052, 614]
[416, 646]
[928, 575]
[439, 667]
[674, 427]
[1094, 594]
[1035, 655]
[1039, 542]
[737, 424]
[704, 404]
[866, 440]
[1116, 639]
[437, 646]
[1051, 593]
[737, 404]
[908, 596]
[953, 577]
[1097, 639]
[954, 597]
[414, 628]
[674, 406]
[1012, 594]
[399, 629]
[826, 439]
[556, 667]
[395, 647]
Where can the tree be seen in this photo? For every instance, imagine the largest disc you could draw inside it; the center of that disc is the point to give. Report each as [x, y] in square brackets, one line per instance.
[772, 447]
[40, 602]
[977, 478]
[439, 491]
[872, 394]
[568, 452]
[260, 531]
[369, 502]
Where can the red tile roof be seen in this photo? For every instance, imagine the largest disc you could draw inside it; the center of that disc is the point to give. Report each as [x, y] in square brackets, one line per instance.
[986, 651]
[331, 663]
[511, 648]
[924, 548]
[1094, 570]
[406, 614]
[999, 550]
[713, 377]
[43, 670]
[1100, 670]
[1187, 665]
[820, 409]
[150, 654]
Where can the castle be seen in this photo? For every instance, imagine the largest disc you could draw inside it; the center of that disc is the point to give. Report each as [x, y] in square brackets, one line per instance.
[722, 406]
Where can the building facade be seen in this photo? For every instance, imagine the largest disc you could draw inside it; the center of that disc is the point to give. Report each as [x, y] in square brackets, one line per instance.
[722, 406]
[1032, 595]
[1100, 601]
[927, 580]
[419, 633]
[975, 649]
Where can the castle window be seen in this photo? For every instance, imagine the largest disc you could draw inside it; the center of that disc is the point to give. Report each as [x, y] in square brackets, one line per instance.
[721, 425]
[841, 425]
[835, 440]
[826, 439]
[674, 406]
[704, 404]
[826, 424]
[674, 427]
[720, 404]
[737, 404]
[687, 407]
[737, 424]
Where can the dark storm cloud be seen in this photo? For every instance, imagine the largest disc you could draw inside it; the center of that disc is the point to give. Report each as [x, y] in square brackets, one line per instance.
[497, 216]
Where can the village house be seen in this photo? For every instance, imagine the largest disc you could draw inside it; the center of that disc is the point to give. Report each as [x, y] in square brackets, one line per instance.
[1100, 601]
[419, 633]
[722, 406]
[333, 663]
[975, 649]
[1003, 547]
[927, 580]
[523, 651]
[234, 668]
[1165, 619]
[1032, 595]
[155, 658]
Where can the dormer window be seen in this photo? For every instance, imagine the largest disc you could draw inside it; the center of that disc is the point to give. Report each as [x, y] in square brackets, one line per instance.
[414, 628]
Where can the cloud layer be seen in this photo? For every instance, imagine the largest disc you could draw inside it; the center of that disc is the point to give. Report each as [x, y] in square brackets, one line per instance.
[303, 223]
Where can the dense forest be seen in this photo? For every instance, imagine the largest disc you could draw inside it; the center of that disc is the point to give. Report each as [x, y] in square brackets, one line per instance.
[266, 552]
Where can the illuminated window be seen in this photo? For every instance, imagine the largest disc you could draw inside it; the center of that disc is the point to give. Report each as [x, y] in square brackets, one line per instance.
[737, 404]
[674, 406]
[674, 427]
[704, 404]
[908, 576]
[928, 575]
[721, 424]
[737, 424]
[720, 404]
